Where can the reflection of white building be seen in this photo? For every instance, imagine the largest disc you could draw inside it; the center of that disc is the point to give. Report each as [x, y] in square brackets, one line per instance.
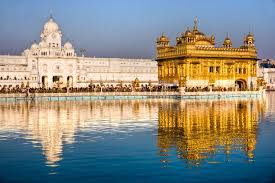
[52, 125]
[48, 62]
[270, 101]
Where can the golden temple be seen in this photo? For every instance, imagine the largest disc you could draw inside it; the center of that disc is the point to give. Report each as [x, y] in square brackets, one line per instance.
[196, 61]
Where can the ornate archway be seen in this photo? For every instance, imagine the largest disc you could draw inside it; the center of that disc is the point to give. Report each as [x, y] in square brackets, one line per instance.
[241, 84]
[44, 81]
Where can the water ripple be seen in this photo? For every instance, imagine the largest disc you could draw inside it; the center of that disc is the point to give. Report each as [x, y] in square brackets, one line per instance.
[95, 136]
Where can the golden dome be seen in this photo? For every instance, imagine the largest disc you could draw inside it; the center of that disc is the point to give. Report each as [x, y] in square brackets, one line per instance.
[196, 32]
[249, 40]
[163, 38]
[250, 35]
[188, 32]
[227, 42]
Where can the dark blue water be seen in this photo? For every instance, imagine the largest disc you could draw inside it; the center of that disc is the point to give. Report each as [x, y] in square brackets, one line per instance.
[158, 140]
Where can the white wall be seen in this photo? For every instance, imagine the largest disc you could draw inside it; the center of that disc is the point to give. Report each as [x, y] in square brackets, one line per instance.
[82, 69]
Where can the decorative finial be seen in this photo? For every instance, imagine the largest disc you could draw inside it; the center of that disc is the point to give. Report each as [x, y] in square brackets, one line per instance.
[250, 33]
[213, 38]
[249, 30]
[51, 14]
[196, 23]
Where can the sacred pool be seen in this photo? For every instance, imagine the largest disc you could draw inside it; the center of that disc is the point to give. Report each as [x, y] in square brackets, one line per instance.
[138, 140]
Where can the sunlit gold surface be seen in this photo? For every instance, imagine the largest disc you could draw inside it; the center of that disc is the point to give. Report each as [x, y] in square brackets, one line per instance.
[199, 130]
[194, 53]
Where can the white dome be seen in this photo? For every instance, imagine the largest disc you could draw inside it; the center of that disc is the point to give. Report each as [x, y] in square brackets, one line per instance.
[26, 52]
[34, 46]
[42, 44]
[68, 45]
[51, 26]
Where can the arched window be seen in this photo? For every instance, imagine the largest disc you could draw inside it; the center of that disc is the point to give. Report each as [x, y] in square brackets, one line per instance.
[240, 70]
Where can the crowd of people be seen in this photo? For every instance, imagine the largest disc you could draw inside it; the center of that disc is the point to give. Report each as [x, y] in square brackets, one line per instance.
[208, 89]
[111, 88]
[91, 88]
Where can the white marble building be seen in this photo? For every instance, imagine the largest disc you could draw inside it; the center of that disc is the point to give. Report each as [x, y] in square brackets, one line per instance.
[266, 71]
[268, 74]
[49, 62]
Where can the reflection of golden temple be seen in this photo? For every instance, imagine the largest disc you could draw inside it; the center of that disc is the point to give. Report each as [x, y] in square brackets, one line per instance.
[196, 129]
[199, 130]
[53, 124]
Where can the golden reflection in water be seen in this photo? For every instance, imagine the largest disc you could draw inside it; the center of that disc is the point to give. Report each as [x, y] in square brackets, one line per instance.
[194, 128]
[199, 130]
[54, 124]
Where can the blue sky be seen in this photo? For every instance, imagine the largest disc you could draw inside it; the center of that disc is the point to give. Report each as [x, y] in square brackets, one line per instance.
[129, 28]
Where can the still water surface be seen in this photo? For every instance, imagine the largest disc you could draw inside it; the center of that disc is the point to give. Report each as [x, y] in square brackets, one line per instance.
[157, 140]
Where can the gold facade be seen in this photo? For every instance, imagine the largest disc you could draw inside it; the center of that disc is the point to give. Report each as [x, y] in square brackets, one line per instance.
[200, 130]
[195, 61]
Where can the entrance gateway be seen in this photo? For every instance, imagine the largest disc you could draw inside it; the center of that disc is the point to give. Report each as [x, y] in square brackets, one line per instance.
[241, 84]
